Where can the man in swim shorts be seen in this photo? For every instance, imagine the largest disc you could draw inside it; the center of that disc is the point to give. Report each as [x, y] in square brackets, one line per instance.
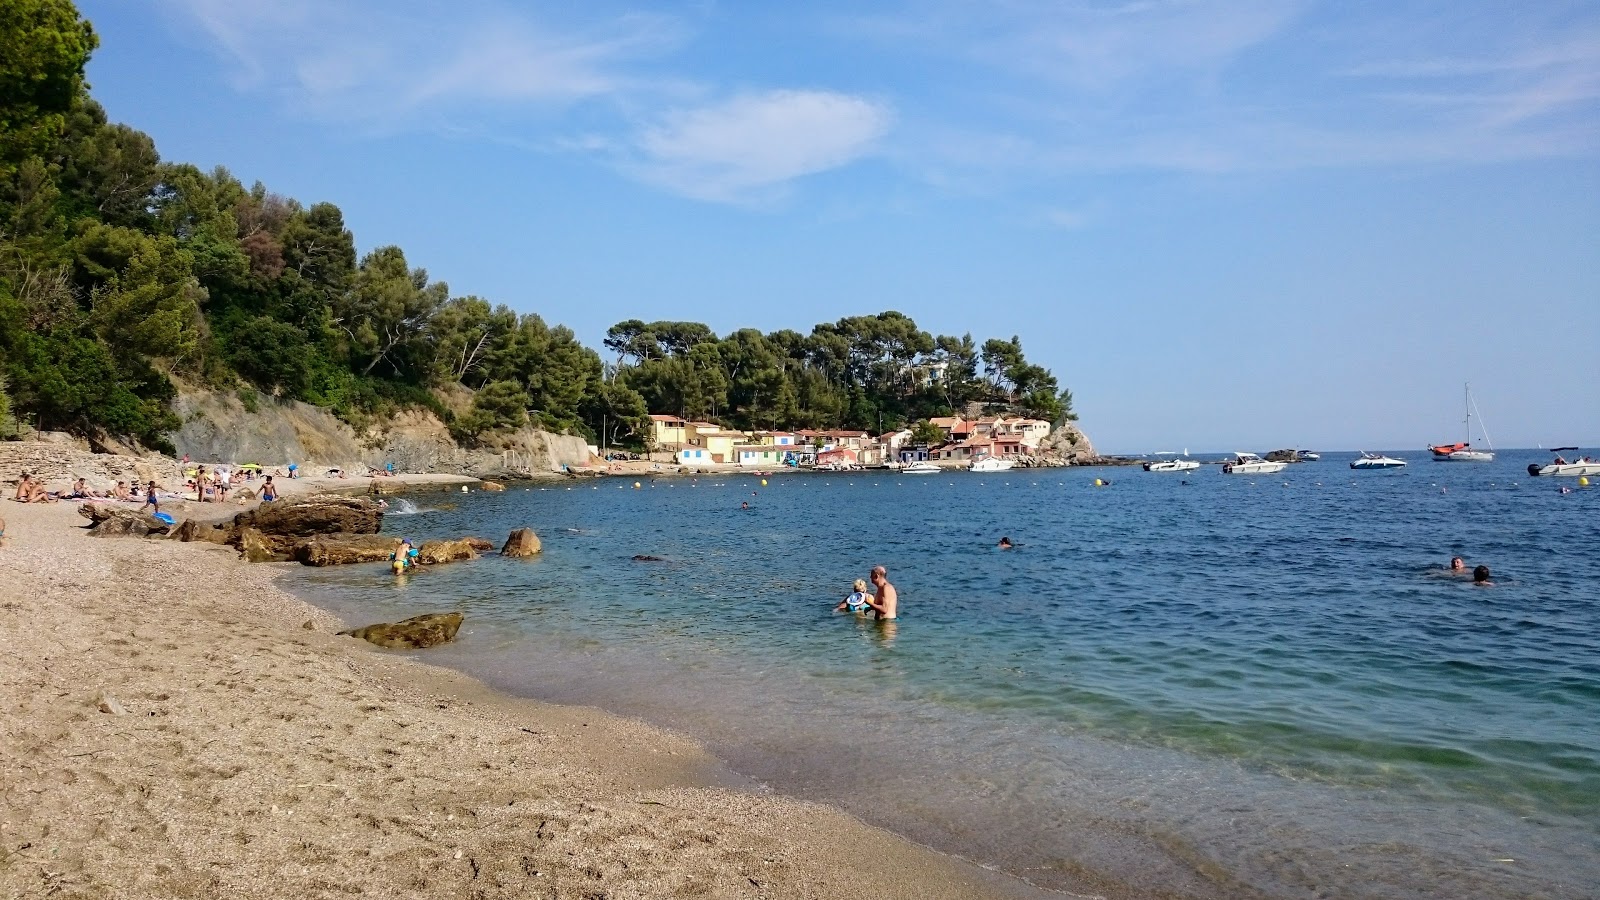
[886, 601]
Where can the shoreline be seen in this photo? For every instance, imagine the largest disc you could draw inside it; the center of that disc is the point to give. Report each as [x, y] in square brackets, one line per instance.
[249, 751]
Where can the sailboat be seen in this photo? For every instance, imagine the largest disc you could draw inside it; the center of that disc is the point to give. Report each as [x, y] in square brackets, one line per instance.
[1463, 452]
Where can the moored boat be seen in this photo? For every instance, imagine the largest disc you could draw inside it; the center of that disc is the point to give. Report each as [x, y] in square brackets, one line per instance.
[991, 464]
[1376, 461]
[920, 468]
[1171, 465]
[1251, 464]
[1462, 451]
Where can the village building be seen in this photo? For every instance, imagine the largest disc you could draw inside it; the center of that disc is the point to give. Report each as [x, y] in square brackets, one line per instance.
[668, 432]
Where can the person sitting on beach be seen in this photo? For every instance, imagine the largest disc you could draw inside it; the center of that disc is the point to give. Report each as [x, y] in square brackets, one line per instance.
[1480, 577]
[1005, 543]
[1457, 564]
[269, 491]
[120, 492]
[25, 488]
[857, 601]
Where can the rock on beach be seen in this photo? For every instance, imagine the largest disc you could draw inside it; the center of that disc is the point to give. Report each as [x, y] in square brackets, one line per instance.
[412, 634]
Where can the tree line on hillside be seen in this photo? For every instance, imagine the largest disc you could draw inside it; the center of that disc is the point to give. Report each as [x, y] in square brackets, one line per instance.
[120, 272]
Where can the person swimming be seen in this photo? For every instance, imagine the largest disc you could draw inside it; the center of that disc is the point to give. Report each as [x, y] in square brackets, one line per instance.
[1457, 564]
[1480, 577]
[1005, 544]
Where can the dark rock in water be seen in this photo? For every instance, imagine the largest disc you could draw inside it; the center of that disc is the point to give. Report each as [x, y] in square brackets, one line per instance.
[433, 553]
[1287, 456]
[412, 634]
[191, 531]
[304, 517]
[522, 542]
[118, 521]
[642, 558]
[341, 549]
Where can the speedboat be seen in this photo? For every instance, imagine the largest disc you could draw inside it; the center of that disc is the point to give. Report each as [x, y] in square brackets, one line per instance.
[1171, 465]
[1376, 461]
[1561, 467]
[1251, 464]
[991, 464]
[920, 468]
[1306, 456]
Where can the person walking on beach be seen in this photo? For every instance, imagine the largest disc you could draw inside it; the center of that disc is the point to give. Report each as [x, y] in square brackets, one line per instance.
[269, 491]
[150, 499]
[886, 601]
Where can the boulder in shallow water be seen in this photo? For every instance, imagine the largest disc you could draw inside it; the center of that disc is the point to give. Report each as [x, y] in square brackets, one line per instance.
[412, 634]
[491, 486]
[433, 553]
[121, 521]
[522, 542]
[343, 549]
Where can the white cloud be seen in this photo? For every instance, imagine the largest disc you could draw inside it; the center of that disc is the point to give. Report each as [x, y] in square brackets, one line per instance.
[748, 147]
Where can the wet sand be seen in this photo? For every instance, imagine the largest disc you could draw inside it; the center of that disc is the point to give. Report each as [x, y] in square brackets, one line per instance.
[176, 726]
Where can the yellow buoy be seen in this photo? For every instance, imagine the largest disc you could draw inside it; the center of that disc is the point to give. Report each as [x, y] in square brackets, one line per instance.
[636, 485]
[1584, 481]
[1099, 483]
[763, 482]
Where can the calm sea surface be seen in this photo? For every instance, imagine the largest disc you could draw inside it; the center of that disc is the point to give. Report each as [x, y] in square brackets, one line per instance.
[1208, 685]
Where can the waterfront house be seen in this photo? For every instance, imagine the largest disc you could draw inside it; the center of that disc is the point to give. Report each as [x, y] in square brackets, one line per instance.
[760, 456]
[668, 432]
[710, 443]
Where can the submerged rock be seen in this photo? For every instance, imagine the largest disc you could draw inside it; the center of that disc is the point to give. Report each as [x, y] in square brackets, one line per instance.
[522, 542]
[482, 545]
[342, 549]
[643, 558]
[118, 521]
[412, 634]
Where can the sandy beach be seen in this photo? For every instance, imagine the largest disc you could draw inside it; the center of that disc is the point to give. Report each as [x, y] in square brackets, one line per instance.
[176, 726]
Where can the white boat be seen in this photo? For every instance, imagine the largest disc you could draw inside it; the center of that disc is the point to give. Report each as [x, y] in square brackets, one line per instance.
[1172, 465]
[1251, 464]
[1376, 461]
[920, 468]
[991, 464]
[1563, 468]
[1306, 456]
[1462, 451]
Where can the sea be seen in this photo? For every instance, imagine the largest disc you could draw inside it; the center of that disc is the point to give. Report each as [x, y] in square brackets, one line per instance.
[1190, 685]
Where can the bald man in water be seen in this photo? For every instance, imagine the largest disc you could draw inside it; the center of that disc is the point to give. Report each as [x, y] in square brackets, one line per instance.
[886, 601]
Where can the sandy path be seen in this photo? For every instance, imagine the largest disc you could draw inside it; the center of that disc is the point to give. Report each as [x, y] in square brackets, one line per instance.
[246, 756]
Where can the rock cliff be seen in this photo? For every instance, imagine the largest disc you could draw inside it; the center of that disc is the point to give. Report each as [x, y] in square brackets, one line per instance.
[218, 428]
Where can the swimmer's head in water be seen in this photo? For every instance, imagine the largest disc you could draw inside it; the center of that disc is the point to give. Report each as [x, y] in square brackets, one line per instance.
[1457, 563]
[1005, 542]
[1480, 574]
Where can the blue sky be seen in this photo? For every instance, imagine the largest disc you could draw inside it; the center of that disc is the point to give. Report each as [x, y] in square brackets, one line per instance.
[1224, 225]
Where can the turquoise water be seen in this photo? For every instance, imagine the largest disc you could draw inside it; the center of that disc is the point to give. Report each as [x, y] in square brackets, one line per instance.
[1235, 686]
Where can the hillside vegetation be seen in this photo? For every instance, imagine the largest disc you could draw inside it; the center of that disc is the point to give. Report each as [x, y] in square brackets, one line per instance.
[120, 271]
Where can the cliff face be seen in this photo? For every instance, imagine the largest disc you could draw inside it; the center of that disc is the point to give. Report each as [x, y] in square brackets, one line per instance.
[218, 428]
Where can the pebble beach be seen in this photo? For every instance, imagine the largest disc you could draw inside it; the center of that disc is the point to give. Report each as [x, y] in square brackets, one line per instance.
[174, 725]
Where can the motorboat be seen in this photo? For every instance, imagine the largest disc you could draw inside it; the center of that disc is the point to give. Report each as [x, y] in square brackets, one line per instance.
[991, 464]
[1306, 456]
[1462, 451]
[1251, 464]
[920, 468]
[1171, 465]
[1376, 461]
[1562, 467]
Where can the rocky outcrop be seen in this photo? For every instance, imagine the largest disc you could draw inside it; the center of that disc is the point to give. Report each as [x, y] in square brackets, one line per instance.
[343, 549]
[492, 486]
[412, 634]
[56, 465]
[253, 547]
[191, 531]
[303, 517]
[522, 542]
[218, 427]
[120, 521]
[433, 553]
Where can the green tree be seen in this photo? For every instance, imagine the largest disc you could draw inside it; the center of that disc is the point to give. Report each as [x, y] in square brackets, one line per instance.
[44, 46]
[927, 434]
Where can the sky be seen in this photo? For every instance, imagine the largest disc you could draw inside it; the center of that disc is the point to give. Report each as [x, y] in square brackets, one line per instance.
[1224, 225]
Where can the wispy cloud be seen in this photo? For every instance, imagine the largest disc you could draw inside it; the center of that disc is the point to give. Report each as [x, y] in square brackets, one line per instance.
[749, 147]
